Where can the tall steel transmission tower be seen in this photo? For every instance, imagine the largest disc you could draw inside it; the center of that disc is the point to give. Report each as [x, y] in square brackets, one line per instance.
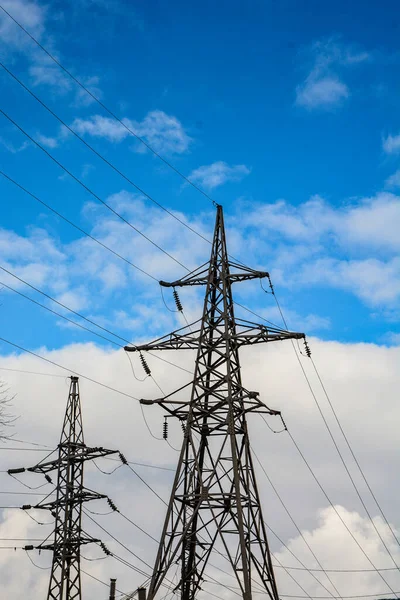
[215, 503]
[65, 578]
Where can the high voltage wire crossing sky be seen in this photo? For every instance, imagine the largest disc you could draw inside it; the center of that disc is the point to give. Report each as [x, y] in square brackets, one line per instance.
[112, 340]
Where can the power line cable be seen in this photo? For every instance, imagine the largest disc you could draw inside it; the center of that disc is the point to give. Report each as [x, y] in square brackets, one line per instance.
[337, 512]
[77, 227]
[108, 387]
[120, 121]
[90, 191]
[352, 452]
[99, 155]
[81, 316]
[104, 583]
[112, 251]
[165, 503]
[57, 313]
[334, 440]
[297, 529]
[13, 439]
[32, 372]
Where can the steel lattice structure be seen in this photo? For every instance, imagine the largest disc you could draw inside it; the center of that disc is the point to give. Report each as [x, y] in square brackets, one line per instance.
[65, 578]
[214, 498]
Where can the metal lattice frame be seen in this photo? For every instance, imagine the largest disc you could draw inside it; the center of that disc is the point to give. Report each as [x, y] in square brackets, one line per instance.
[214, 495]
[65, 578]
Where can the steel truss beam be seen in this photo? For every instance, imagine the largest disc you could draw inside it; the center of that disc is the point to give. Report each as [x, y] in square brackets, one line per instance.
[65, 578]
[214, 503]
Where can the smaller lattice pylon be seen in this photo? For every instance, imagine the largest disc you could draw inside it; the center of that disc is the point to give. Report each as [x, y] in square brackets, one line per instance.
[65, 578]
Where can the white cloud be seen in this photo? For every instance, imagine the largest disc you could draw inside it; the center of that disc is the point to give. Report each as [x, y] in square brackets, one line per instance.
[165, 133]
[30, 14]
[41, 68]
[353, 247]
[363, 374]
[323, 88]
[218, 173]
[391, 144]
[99, 126]
[371, 222]
[49, 142]
[12, 147]
[394, 180]
[376, 282]
[324, 92]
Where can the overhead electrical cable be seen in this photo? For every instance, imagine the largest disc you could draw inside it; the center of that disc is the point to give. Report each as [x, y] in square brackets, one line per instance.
[104, 583]
[59, 314]
[77, 227]
[352, 452]
[338, 513]
[31, 372]
[24, 189]
[335, 443]
[81, 316]
[99, 155]
[120, 121]
[305, 568]
[52, 362]
[297, 529]
[90, 191]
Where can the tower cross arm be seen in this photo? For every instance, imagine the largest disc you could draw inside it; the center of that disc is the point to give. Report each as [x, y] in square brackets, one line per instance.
[84, 495]
[201, 276]
[72, 452]
[246, 334]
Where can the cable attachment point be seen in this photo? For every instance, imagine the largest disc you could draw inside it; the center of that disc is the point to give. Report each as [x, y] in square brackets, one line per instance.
[112, 505]
[123, 459]
[145, 366]
[177, 301]
[165, 429]
[307, 348]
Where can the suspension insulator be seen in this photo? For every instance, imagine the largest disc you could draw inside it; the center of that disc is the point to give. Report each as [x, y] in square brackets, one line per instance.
[123, 459]
[270, 285]
[105, 549]
[183, 426]
[145, 366]
[307, 348]
[165, 429]
[111, 504]
[177, 301]
[48, 478]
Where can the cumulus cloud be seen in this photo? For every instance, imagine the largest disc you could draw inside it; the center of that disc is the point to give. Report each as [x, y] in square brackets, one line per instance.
[370, 222]
[31, 15]
[323, 88]
[394, 180]
[165, 133]
[363, 374]
[352, 247]
[391, 144]
[218, 173]
[317, 92]
[42, 69]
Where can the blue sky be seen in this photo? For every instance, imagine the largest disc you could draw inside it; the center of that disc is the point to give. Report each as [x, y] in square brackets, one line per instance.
[284, 113]
[287, 114]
